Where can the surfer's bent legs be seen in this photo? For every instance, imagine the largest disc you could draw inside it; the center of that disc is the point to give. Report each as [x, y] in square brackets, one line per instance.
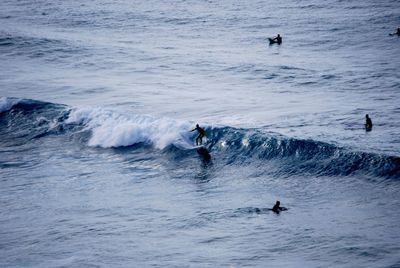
[199, 139]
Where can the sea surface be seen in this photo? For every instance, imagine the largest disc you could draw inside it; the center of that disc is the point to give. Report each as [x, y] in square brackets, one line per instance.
[98, 167]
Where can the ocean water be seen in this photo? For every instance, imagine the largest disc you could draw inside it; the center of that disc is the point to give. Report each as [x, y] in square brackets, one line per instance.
[98, 166]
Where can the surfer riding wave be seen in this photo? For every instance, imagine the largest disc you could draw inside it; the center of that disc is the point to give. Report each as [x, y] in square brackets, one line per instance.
[202, 133]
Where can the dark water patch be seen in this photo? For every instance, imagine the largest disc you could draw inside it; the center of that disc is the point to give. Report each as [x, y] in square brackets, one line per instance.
[328, 76]
[8, 164]
[26, 120]
[301, 156]
[307, 83]
[178, 21]
[25, 41]
[37, 47]
[286, 67]
[216, 239]
[271, 76]
[94, 90]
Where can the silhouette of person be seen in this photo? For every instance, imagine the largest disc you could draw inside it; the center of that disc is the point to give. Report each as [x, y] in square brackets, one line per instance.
[201, 132]
[278, 39]
[277, 207]
[368, 123]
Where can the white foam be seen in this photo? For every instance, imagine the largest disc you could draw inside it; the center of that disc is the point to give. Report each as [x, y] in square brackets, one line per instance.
[7, 103]
[112, 129]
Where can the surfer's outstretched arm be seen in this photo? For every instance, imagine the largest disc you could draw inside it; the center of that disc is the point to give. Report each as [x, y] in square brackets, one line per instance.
[196, 128]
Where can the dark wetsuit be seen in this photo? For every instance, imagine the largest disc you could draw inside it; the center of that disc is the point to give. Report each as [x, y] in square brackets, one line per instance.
[277, 207]
[278, 39]
[201, 132]
[368, 123]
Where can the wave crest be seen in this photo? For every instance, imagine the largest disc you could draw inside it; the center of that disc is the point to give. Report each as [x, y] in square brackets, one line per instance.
[7, 103]
[112, 129]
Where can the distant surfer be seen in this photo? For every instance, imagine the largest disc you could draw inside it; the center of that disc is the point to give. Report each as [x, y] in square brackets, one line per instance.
[368, 123]
[277, 207]
[277, 39]
[202, 133]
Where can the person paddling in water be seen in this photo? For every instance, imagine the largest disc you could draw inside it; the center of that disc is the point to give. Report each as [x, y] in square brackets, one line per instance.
[277, 207]
[277, 39]
[202, 133]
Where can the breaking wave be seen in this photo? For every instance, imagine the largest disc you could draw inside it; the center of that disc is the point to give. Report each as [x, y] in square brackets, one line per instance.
[28, 119]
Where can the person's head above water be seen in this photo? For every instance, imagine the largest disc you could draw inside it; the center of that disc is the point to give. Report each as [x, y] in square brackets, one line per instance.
[276, 208]
[366, 116]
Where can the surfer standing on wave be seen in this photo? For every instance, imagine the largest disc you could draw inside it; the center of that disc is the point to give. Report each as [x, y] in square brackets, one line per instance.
[202, 133]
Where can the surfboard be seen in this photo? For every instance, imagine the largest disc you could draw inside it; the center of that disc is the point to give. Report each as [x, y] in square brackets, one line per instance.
[272, 41]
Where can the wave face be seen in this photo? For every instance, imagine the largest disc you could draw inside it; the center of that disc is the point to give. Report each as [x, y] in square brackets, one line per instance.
[302, 156]
[24, 120]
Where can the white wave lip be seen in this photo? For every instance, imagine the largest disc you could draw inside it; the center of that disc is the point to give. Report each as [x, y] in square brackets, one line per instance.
[7, 103]
[112, 129]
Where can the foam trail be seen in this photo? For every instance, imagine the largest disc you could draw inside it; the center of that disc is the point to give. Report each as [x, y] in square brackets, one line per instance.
[112, 129]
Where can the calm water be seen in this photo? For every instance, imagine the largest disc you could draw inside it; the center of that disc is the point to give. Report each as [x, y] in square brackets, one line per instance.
[97, 164]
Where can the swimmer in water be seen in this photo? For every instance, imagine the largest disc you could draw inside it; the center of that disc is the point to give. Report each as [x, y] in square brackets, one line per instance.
[368, 123]
[277, 207]
[278, 39]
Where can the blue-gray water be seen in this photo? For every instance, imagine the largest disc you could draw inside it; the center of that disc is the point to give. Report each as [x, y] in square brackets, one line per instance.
[97, 165]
